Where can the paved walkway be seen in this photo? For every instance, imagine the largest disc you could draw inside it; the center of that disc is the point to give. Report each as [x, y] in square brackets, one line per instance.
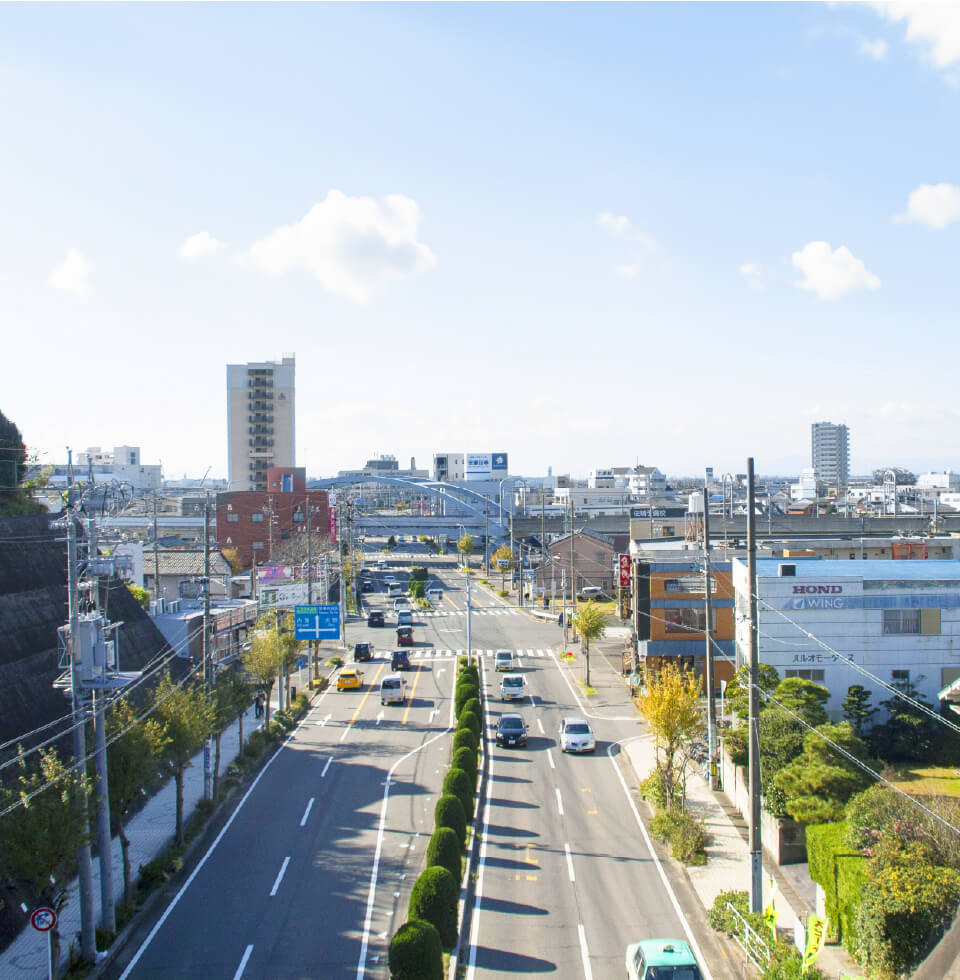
[149, 832]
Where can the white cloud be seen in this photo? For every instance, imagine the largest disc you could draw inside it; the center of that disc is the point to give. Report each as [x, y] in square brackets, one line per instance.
[873, 49]
[199, 245]
[616, 224]
[73, 275]
[832, 273]
[628, 271]
[353, 245]
[933, 205]
[751, 272]
[935, 26]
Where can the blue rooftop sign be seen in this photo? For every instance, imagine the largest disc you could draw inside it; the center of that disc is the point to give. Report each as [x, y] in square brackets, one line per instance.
[316, 622]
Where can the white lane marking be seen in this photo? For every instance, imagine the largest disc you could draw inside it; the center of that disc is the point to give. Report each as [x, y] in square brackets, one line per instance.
[559, 801]
[346, 732]
[326, 767]
[653, 854]
[588, 714]
[540, 726]
[243, 963]
[193, 874]
[584, 953]
[379, 717]
[306, 813]
[566, 848]
[533, 701]
[553, 765]
[433, 714]
[478, 893]
[282, 872]
[371, 895]
[325, 720]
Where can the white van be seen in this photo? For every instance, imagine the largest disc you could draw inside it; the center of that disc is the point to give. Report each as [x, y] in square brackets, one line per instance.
[512, 687]
[393, 689]
[395, 589]
[435, 596]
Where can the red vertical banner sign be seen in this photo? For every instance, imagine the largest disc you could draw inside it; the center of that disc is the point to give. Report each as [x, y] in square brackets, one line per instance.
[624, 571]
[333, 516]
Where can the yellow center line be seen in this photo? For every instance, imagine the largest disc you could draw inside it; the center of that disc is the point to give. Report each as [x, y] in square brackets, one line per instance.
[364, 698]
[403, 720]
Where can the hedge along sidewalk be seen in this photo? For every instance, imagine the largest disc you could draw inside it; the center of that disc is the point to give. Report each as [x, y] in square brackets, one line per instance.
[728, 857]
[468, 883]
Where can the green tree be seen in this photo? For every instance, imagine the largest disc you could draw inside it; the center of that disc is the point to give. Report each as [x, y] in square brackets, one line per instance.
[434, 899]
[857, 708]
[186, 714]
[262, 662]
[466, 548]
[416, 952]
[908, 731]
[818, 783]
[391, 541]
[670, 703]
[231, 698]
[802, 697]
[590, 624]
[132, 758]
[14, 499]
[41, 837]
[142, 596]
[781, 741]
[443, 849]
[503, 553]
[738, 690]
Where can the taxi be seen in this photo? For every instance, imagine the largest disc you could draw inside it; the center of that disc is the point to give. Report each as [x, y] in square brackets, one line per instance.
[350, 679]
[653, 959]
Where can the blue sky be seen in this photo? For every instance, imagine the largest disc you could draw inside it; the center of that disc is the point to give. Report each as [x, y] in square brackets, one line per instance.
[588, 235]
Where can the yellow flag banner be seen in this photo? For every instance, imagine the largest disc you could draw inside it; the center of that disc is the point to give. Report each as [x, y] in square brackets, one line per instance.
[770, 912]
[816, 939]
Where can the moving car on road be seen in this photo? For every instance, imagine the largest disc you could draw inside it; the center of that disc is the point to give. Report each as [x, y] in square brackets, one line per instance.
[503, 660]
[661, 959]
[404, 636]
[405, 618]
[511, 730]
[576, 735]
[511, 687]
[362, 652]
[393, 689]
[400, 660]
[435, 595]
[375, 618]
[350, 679]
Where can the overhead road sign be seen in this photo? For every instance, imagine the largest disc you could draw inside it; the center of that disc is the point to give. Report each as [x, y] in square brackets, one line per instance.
[318, 622]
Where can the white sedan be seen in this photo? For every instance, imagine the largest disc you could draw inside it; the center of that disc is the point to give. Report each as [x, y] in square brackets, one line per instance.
[576, 735]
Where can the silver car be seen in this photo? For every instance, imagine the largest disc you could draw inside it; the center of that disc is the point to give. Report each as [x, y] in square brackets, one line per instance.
[576, 735]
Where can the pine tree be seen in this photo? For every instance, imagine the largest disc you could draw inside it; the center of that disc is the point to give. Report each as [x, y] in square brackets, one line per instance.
[857, 708]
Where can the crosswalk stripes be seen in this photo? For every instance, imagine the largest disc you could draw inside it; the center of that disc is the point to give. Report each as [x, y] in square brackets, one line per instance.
[490, 611]
[438, 654]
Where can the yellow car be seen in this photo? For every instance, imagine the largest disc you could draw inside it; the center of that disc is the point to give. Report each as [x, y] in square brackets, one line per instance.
[350, 679]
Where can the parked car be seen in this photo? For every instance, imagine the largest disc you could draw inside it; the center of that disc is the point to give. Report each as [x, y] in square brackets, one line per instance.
[400, 660]
[652, 959]
[375, 618]
[435, 595]
[590, 592]
[511, 687]
[362, 652]
[350, 679]
[503, 660]
[576, 735]
[393, 689]
[404, 636]
[511, 730]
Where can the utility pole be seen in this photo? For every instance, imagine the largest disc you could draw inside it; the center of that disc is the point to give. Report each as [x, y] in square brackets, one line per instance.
[543, 546]
[756, 853]
[708, 634]
[270, 528]
[520, 566]
[343, 577]
[486, 537]
[88, 943]
[156, 550]
[573, 572]
[469, 640]
[207, 651]
[312, 654]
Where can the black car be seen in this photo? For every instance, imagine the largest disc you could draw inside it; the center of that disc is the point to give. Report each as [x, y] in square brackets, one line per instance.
[400, 660]
[375, 618]
[362, 652]
[366, 585]
[511, 730]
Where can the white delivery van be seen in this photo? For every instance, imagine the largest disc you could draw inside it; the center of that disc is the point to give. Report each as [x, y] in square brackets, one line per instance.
[394, 590]
[511, 687]
[435, 596]
[393, 689]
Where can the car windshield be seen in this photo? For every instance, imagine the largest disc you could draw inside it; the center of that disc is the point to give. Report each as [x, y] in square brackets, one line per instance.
[578, 728]
[391, 683]
[503, 656]
[672, 973]
[511, 724]
[513, 682]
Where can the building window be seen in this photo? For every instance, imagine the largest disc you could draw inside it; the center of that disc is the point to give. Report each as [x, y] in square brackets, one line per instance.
[807, 675]
[689, 585]
[925, 621]
[256, 517]
[233, 518]
[901, 676]
[687, 620]
[257, 546]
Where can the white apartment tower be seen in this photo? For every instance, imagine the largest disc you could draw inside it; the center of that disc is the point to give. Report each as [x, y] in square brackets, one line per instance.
[830, 453]
[260, 420]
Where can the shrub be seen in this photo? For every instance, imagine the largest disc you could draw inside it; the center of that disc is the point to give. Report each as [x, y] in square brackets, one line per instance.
[473, 705]
[471, 722]
[417, 590]
[468, 670]
[825, 842]
[459, 784]
[900, 911]
[503, 593]
[466, 691]
[435, 899]
[416, 952]
[651, 789]
[335, 661]
[465, 739]
[443, 850]
[465, 758]
[684, 832]
[449, 813]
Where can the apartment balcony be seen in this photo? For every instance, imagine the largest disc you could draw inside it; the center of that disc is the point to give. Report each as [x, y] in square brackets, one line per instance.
[260, 453]
[260, 419]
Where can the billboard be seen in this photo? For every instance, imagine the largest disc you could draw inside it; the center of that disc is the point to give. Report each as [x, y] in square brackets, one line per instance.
[283, 595]
[485, 466]
[624, 566]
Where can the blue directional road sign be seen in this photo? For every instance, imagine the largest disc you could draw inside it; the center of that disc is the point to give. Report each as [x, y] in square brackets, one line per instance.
[316, 622]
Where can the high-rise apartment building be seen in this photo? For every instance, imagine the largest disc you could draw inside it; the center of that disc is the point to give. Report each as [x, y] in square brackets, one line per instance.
[830, 453]
[260, 421]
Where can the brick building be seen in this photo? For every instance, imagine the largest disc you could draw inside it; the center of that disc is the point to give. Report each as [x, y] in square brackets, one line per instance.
[256, 522]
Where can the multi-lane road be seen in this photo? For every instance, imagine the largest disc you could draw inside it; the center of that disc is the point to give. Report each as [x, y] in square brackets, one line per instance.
[312, 874]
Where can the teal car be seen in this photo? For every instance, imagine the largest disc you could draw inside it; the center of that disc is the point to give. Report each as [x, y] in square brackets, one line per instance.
[661, 959]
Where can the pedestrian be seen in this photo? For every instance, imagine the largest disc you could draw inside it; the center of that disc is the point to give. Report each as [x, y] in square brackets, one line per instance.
[560, 618]
[258, 705]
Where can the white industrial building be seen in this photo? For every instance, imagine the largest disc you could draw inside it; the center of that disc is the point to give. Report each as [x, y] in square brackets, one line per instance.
[900, 620]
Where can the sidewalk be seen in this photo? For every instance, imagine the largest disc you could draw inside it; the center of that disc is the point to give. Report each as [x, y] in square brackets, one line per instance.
[728, 860]
[149, 832]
